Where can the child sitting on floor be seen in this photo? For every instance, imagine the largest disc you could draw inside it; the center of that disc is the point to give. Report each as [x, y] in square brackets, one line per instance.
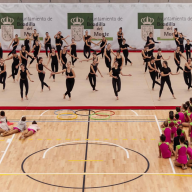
[3, 125]
[189, 153]
[32, 129]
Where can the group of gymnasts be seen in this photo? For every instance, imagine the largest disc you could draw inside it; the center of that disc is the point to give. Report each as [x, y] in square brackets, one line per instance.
[20, 128]
[173, 131]
[58, 56]
[157, 70]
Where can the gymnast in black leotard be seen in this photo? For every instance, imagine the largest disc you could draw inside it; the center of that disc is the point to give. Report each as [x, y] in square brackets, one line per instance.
[27, 43]
[73, 51]
[70, 79]
[15, 64]
[35, 36]
[116, 81]
[54, 63]
[63, 56]
[102, 43]
[36, 48]
[180, 41]
[47, 43]
[92, 58]
[24, 76]
[3, 73]
[87, 48]
[124, 48]
[176, 36]
[150, 37]
[120, 37]
[119, 59]
[152, 71]
[165, 73]
[41, 73]
[158, 58]
[187, 73]
[177, 55]
[146, 57]
[24, 55]
[14, 44]
[92, 74]
[107, 53]
[58, 42]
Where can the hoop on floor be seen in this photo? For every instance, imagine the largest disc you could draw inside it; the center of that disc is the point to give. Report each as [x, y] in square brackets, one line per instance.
[55, 112]
[111, 113]
[103, 114]
[58, 116]
[84, 110]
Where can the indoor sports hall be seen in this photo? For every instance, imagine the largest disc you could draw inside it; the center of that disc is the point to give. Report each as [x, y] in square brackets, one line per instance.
[95, 96]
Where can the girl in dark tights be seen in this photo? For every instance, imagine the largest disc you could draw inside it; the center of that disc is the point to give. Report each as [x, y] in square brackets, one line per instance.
[70, 79]
[24, 76]
[3, 73]
[187, 73]
[41, 73]
[116, 81]
[177, 55]
[165, 72]
[152, 71]
[92, 75]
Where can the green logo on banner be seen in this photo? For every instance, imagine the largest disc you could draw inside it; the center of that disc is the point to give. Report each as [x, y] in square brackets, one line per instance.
[84, 19]
[13, 19]
[155, 19]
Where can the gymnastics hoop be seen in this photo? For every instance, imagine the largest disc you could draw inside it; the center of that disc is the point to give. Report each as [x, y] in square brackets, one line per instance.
[112, 112]
[84, 110]
[99, 114]
[58, 116]
[55, 112]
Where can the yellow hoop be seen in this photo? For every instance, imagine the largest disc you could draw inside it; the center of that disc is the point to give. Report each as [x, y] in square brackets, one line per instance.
[58, 116]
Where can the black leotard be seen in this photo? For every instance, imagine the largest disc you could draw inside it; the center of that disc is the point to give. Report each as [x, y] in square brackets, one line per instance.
[94, 67]
[40, 67]
[119, 60]
[23, 74]
[57, 41]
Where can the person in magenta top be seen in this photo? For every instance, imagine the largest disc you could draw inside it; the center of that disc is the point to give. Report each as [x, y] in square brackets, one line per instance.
[190, 132]
[178, 121]
[190, 113]
[189, 153]
[181, 114]
[167, 132]
[182, 131]
[172, 125]
[164, 149]
[181, 154]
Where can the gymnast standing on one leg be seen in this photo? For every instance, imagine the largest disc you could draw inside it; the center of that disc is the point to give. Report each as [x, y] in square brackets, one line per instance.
[41, 73]
[54, 63]
[187, 73]
[47, 43]
[14, 44]
[36, 48]
[70, 79]
[152, 72]
[177, 55]
[146, 57]
[165, 72]
[73, 52]
[120, 37]
[3, 73]
[24, 76]
[63, 56]
[158, 58]
[124, 48]
[116, 80]
[92, 74]
[15, 64]
[107, 54]
[102, 43]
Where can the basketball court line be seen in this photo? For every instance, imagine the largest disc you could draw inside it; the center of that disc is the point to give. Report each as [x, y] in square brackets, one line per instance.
[135, 112]
[127, 153]
[43, 113]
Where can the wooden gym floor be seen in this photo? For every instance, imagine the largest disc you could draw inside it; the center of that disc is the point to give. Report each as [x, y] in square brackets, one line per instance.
[135, 90]
[92, 155]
